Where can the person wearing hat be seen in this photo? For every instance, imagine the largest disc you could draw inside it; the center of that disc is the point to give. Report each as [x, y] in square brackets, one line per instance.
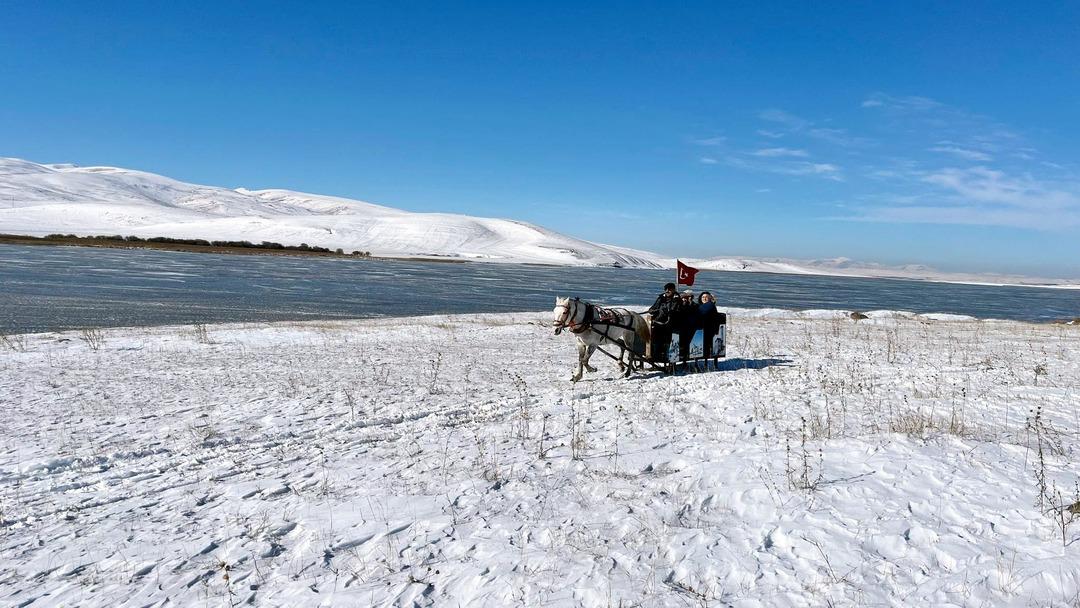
[663, 313]
[663, 301]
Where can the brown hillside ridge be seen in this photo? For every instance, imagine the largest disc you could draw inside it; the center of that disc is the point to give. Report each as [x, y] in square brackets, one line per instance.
[194, 246]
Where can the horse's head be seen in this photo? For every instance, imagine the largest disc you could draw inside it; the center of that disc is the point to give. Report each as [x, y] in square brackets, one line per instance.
[562, 312]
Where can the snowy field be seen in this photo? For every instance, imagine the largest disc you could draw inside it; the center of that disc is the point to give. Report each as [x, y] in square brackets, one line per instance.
[899, 460]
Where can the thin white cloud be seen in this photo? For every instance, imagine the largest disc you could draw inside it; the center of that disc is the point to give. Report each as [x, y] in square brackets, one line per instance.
[979, 196]
[1008, 184]
[708, 160]
[711, 141]
[963, 153]
[954, 127]
[988, 186]
[826, 169]
[796, 125]
[965, 215]
[788, 167]
[839, 137]
[779, 152]
[911, 103]
[931, 163]
[784, 118]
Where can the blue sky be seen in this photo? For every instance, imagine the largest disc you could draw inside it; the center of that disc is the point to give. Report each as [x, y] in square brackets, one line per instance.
[921, 132]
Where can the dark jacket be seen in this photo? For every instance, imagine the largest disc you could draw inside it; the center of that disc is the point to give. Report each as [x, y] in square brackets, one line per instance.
[687, 318]
[710, 317]
[664, 308]
[708, 310]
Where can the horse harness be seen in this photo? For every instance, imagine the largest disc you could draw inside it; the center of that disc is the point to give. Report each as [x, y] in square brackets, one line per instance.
[598, 316]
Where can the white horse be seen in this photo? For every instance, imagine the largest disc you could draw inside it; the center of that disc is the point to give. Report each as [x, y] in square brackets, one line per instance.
[595, 326]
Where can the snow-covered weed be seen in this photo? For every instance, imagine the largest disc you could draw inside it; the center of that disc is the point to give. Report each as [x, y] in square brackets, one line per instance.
[200, 334]
[919, 423]
[1039, 371]
[1044, 441]
[293, 384]
[703, 595]
[93, 337]
[487, 459]
[449, 328]
[15, 342]
[203, 432]
[4, 513]
[577, 431]
[1064, 510]
[803, 469]
[491, 320]
[434, 367]
[523, 414]
[351, 402]
[544, 446]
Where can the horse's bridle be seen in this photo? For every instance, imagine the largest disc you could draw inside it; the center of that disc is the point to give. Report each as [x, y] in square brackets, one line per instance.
[567, 322]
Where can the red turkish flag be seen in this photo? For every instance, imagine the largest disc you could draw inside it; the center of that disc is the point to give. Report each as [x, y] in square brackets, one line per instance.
[686, 274]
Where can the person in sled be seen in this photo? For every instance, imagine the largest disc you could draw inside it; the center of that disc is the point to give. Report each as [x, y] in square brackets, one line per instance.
[688, 321]
[664, 300]
[710, 321]
[662, 312]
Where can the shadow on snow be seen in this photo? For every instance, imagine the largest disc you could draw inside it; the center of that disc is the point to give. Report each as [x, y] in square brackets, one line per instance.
[729, 365]
[699, 367]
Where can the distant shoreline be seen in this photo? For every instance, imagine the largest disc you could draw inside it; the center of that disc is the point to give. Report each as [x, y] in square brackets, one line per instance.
[119, 242]
[107, 243]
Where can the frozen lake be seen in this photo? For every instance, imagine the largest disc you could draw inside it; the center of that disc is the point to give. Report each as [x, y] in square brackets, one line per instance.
[55, 288]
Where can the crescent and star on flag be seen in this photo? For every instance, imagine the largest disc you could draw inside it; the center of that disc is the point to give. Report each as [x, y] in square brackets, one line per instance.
[685, 274]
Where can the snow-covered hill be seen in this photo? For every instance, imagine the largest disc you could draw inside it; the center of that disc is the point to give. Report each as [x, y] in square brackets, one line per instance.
[851, 268]
[41, 199]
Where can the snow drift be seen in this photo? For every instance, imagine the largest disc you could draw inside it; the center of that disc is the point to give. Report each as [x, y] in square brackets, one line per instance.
[448, 461]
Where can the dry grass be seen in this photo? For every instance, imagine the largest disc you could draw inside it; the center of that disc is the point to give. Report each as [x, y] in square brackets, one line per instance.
[923, 424]
[16, 342]
[93, 337]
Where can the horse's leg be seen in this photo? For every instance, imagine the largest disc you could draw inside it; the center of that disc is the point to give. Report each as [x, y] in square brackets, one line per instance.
[629, 353]
[622, 355]
[580, 360]
[590, 348]
[625, 367]
[588, 355]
